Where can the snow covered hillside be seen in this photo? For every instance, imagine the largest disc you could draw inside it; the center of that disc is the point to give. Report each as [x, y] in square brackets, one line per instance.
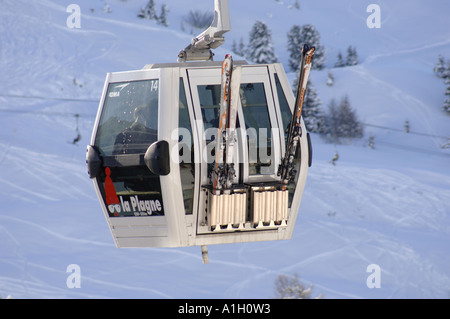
[388, 206]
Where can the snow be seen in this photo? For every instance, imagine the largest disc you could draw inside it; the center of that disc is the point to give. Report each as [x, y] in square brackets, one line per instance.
[387, 206]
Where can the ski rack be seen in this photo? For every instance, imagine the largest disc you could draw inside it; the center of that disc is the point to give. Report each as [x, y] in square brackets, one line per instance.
[245, 207]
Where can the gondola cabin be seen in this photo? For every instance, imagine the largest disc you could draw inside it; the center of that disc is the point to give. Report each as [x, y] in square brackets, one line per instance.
[153, 155]
[153, 147]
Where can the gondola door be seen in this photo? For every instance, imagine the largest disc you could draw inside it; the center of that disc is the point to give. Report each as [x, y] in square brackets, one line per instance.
[258, 144]
[128, 159]
[205, 94]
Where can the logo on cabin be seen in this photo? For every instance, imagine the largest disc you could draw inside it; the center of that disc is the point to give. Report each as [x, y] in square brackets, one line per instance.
[130, 205]
[112, 200]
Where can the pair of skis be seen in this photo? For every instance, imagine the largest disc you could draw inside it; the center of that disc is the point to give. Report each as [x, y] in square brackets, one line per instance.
[286, 169]
[223, 172]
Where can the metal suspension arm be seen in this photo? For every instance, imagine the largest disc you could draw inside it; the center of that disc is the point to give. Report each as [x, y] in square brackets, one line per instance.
[211, 38]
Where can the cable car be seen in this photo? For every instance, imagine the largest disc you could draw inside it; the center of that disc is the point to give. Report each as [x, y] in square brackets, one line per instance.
[200, 152]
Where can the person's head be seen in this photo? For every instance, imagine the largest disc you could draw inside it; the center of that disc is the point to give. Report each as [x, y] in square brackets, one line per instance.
[142, 114]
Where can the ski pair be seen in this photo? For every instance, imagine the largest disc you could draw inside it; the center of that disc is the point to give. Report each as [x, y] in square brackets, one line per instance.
[286, 169]
[223, 172]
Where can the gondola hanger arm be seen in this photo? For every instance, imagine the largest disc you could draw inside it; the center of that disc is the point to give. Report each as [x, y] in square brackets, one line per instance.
[200, 47]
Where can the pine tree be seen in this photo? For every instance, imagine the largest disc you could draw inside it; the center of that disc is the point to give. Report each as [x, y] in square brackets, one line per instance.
[330, 79]
[238, 48]
[371, 142]
[446, 106]
[349, 126]
[199, 19]
[107, 8]
[352, 56]
[234, 48]
[241, 48]
[342, 121]
[149, 11]
[340, 61]
[406, 126]
[446, 72]
[331, 130]
[162, 19]
[290, 287]
[260, 49]
[294, 47]
[439, 68]
[310, 36]
[299, 36]
[312, 113]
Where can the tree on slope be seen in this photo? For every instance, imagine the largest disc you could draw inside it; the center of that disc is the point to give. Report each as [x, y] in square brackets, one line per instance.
[290, 287]
[312, 112]
[309, 35]
[260, 49]
[299, 36]
[162, 19]
[294, 47]
[352, 56]
[442, 68]
[446, 74]
[239, 48]
[340, 61]
[149, 11]
[349, 124]
[342, 121]
[446, 106]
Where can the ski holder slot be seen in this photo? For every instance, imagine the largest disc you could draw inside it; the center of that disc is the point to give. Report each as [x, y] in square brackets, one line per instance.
[248, 207]
[270, 206]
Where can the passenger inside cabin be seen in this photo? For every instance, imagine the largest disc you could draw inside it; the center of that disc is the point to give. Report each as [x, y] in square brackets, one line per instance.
[141, 133]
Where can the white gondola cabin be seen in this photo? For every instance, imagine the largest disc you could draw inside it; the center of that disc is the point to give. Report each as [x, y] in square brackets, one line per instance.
[153, 155]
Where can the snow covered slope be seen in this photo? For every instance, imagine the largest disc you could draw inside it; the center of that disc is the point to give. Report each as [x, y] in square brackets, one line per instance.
[387, 206]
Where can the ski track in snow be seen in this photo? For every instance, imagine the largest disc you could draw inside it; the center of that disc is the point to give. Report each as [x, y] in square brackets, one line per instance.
[54, 179]
[51, 233]
[409, 197]
[422, 48]
[410, 104]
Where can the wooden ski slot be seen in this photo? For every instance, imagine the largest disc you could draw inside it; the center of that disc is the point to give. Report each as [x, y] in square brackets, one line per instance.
[228, 211]
[248, 208]
[270, 206]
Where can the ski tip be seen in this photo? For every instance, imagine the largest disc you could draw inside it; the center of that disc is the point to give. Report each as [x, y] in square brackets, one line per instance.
[308, 49]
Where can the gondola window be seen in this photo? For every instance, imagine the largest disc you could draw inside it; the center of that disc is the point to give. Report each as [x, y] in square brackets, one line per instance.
[127, 127]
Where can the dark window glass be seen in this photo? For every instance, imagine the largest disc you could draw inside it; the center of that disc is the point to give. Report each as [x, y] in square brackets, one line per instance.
[186, 151]
[128, 126]
[286, 114]
[258, 126]
[129, 120]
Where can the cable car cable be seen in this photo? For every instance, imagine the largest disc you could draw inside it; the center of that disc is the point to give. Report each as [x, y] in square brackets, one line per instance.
[402, 131]
[48, 98]
[49, 113]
